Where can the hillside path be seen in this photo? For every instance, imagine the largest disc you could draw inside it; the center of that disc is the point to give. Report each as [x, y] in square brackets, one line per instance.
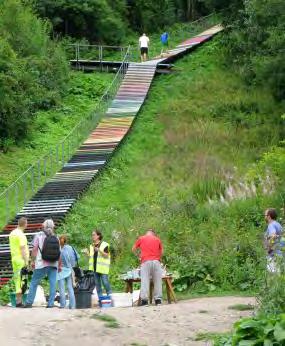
[166, 325]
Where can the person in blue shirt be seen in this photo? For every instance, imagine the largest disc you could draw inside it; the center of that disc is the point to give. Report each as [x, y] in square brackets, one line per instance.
[273, 240]
[164, 41]
[69, 258]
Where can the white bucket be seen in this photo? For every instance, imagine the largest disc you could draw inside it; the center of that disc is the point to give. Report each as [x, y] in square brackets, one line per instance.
[121, 300]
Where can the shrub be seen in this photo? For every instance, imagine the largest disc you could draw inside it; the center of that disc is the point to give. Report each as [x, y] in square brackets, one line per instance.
[258, 331]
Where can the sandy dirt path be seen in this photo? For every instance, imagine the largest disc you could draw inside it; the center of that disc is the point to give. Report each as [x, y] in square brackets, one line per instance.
[166, 325]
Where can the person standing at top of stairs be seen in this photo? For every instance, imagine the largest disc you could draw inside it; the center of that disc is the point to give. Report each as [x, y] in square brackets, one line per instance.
[19, 255]
[143, 43]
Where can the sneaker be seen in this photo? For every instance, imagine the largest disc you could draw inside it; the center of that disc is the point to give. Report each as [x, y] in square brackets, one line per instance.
[50, 306]
[19, 305]
[144, 302]
[157, 301]
[27, 306]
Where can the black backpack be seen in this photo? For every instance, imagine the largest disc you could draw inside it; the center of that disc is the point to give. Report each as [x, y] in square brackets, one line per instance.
[51, 249]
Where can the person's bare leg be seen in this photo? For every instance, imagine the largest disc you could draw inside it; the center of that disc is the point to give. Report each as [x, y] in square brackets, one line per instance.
[18, 298]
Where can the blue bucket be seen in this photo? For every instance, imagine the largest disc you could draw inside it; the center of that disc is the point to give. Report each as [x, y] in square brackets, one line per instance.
[105, 302]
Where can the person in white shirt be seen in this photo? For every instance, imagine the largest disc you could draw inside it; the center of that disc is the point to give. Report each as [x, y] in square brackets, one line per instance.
[144, 42]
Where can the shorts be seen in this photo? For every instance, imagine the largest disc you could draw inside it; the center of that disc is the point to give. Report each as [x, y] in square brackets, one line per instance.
[144, 50]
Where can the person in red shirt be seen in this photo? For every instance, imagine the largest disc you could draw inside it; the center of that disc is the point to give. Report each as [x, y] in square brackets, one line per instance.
[150, 252]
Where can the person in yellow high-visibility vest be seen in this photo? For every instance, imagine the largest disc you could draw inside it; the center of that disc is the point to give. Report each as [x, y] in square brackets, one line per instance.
[19, 255]
[99, 262]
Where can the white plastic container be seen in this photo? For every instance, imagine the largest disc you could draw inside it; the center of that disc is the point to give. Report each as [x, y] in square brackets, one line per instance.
[121, 300]
[136, 297]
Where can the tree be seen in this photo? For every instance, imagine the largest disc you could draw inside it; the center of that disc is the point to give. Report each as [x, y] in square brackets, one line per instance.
[255, 43]
[33, 69]
[95, 20]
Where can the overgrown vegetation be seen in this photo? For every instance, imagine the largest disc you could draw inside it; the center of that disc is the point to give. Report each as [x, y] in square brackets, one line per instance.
[171, 174]
[110, 321]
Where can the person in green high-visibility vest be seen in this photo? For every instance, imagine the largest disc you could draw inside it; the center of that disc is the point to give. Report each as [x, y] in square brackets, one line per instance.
[19, 255]
[99, 261]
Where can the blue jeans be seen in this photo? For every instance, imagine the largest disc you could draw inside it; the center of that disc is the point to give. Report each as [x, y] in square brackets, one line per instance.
[102, 279]
[38, 275]
[61, 287]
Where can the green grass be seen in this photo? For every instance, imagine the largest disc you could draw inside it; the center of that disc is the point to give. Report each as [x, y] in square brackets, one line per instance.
[111, 322]
[208, 336]
[50, 127]
[241, 307]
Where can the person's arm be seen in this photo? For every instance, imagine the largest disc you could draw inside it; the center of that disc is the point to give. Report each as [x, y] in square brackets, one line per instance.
[161, 249]
[35, 246]
[270, 237]
[136, 248]
[24, 254]
[104, 253]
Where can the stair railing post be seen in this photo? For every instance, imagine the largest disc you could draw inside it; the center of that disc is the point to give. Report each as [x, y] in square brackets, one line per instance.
[16, 197]
[7, 206]
[24, 188]
[32, 179]
[39, 172]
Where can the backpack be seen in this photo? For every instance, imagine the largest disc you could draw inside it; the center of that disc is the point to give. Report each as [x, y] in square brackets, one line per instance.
[51, 249]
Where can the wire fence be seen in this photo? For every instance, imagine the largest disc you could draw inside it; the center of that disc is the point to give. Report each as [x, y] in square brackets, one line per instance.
[78, 51]
[17, 194]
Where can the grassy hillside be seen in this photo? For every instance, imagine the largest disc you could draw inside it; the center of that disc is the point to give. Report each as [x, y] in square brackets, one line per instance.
[200, 130]
[50, 127]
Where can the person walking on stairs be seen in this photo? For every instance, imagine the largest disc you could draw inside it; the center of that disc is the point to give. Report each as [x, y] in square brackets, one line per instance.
[150, 252]
[19, 255]
[46, 251]
[143, 43]
[99, 262]
[164, 41]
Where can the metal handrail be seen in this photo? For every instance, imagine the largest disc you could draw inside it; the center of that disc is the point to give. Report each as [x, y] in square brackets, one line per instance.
[7, 235]
[44, 168]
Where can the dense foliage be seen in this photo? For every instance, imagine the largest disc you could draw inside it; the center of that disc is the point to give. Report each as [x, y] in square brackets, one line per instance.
[33, 69]
[110, 21]
[256, 331]
[255, 43]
